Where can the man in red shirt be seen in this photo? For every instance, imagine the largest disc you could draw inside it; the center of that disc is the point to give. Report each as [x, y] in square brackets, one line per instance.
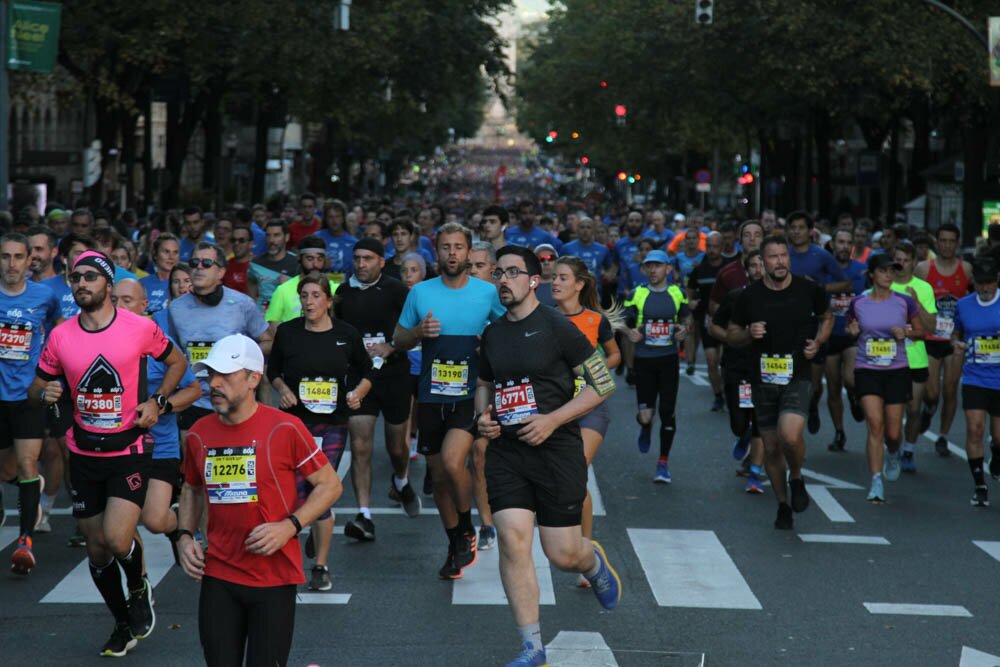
[238, 267]
[733, 275]
[243, 461]
[305, 225]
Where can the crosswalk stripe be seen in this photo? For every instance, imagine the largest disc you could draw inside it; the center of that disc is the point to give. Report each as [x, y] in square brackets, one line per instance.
[827, 504]
[8, 536]
[595, 493]
[952, 447]
[992, 548]
[579, 649]
[906, 609]
[323, 598]
[78, 588]
[690, 568]
[480, 584]
[843, 539]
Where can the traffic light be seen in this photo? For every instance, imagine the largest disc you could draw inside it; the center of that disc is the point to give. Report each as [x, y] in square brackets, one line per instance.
[585, 160]
[622, 175]
[703, 11]
[575, 135]
[551, 136]
[620, 113]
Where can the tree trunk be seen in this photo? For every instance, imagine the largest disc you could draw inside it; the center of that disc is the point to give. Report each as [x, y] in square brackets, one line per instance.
[260, 154]
[920, 116]
[975, 135]
[182, 120]
[892, 198]
[821, 136]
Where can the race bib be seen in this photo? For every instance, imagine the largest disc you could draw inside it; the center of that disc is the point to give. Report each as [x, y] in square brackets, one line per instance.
[776, 369]
[15, 341]
[839, 303]
[231, 475]
[659, 333]
[880, 351]
[99, 410]
[514, 402]
[746, 395]
[377, 339]
[944, 327]
[449, 378]
[986, 350]
[578, 384]
[318, 395]
[198, 351]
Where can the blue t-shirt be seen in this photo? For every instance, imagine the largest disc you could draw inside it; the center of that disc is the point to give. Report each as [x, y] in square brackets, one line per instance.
[980, 327]
[626, 255]
[186, 246]
[339, 251]
[166, 440]
[162, 318]
[596, 256]
[121, 274]
[685, 265]
[196, 326]
[633, 277]
[67, 304]
[817, 264]
[426, 249]
[157, 292]
[856, 272]
[25, 319]
[666, 236]
[449, 364]
[259, 240]
[531, 238]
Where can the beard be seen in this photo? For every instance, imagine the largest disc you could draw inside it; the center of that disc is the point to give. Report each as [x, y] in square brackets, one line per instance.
[93, 301]
[459, 269]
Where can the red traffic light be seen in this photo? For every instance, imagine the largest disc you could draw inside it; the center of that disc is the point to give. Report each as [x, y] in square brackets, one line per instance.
[745, 179]
[620, 110]
[553, 134]
[585, 160]
[604, 84]
[622, 175]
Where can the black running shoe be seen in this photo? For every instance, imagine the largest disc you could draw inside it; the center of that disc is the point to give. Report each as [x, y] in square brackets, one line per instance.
[839, 440]
[449, 569]
[466, 551]
[941, 446]
[994, 463]
[785, 521]
[407, 497]
[857, 412]
[141, 617]
[814, 419]
[981, 497]
[120, 642]
[360, 528]
[689, 370]
[800, 498]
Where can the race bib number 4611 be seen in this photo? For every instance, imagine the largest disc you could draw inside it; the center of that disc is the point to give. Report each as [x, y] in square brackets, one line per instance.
[231, 475]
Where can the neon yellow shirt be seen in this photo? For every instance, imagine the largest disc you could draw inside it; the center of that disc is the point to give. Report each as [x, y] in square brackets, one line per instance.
[285, 304]
[916, 351]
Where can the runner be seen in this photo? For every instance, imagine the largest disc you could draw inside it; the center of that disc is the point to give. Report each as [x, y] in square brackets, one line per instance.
[525, 233]
[100, 354]
[166, 252]
[371, 302]
[699, 285]
[786, 319]
[547, 256]
[882, 320]
[448, 314]
[535, 463]
[28, 313]
[44, 253]
[948, 276]
[285, 303]
[415, 271]
[658, 319]
[405, 240]
[313, 360]
[575, 292]
[977, 335]
[841, 348]
[274, 267]
[595, 255]
[482, 261]
[493, 226]
[734, 275]
[242, 465]
[238, 268]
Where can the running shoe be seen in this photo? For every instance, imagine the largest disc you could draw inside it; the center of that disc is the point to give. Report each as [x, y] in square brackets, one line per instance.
[800, 497]
[311, 543]
[605, 584]
[76, 539]
[784, 520]
[22, 561]
[320, 579]
[741, 446]
[487, 537]
[857, 412]
[121, 642]
[645, 438]
[718, 405]
[360, 528]
[43, 525]
[981, 497]
[689, 370]
[466, 553]
[941, 446]
[925, 418]
[994, 464]
[839, 441]
[753, 485]
[630, 377]
[876, 494]
[407, 497]
[662, 475]
[449, 570]
[141, 617]
[814, 422]
[891, 465]
[529, 657]
[620, 369]
[908, 463]
[582, 582]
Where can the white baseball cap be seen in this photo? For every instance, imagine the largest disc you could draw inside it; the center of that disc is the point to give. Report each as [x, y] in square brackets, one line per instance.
[231, 354]
[679, 217]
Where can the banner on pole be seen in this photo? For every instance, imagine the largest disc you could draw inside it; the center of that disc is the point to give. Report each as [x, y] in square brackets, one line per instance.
[33, 38]
[994, 41]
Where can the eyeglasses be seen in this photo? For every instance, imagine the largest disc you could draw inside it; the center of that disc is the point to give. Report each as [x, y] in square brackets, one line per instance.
[88, 276]
[201, 262]
[512, 273]
[236, 240]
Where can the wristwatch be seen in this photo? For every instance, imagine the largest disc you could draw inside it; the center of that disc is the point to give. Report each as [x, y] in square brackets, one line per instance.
[161, 401]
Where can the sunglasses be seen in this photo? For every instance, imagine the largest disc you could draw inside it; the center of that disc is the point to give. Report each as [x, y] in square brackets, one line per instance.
[238, 240]
[88, 276]
[199, 262]
[545, 258]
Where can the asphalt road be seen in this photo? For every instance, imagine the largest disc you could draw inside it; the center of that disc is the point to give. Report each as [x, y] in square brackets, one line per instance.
[707, 579]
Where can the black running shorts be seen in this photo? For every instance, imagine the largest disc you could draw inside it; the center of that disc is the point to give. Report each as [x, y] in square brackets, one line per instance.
[549, 480]
[20, 421]
[893, 386]
[434, 420]
[981, 398]
[391, 396]
[97, 478]
[770, 401]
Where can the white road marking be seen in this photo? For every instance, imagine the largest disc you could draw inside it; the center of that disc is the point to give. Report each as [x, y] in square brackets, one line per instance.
[8, 536]
[78, 588]
[344, 469]
[579, 649]
[323, 598]
[952, 447]
[843, 539]
[480, 584]
[699, 379]
[992, 548]
[973, 658]
[828, 505]
[906, 609]
[832, 482]
[595, 493]
[690, 568]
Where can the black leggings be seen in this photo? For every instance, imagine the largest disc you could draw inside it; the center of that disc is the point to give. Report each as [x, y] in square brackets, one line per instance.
[659, 376]
[740, 419]
[233, 617]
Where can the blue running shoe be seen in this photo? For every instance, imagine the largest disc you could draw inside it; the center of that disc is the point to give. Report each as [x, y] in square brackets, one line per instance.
[907, 463]
[753, 485]
[891, 465]
[529, 657]
[645, 437]
[875, 493]
[662, 475]
[741, 447]
[605, 584]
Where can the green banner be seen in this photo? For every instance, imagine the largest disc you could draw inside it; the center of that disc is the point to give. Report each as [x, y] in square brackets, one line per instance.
[33, 41]
[991, 214]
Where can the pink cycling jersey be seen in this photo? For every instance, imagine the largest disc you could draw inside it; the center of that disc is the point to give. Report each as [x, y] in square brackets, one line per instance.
[104, 371]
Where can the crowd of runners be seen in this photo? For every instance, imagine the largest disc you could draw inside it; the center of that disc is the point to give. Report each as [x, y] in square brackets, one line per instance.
[203, 375]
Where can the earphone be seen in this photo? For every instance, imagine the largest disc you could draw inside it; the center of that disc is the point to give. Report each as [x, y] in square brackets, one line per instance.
[533, 283]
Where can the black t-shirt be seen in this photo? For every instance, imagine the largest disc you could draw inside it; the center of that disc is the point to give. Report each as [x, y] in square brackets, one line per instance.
[791, 316]
[374, 312]
[530, 364]
[702, 279]
[319, 368]
[737, 362]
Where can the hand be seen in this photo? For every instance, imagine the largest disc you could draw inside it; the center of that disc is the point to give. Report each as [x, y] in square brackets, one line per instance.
[634, 335]
[899, 333]
[758, 330]
[680, 333]
[693, 304]
[52, 392]
[536, 429]
[811, 348]
[287, 399]
[353, 400]
[192, 557]
[853, 328]
[147, 414]
[488, 427]
[268, 538]
[430, 327]
[379, 350]
[958, 345]
[912, 293]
